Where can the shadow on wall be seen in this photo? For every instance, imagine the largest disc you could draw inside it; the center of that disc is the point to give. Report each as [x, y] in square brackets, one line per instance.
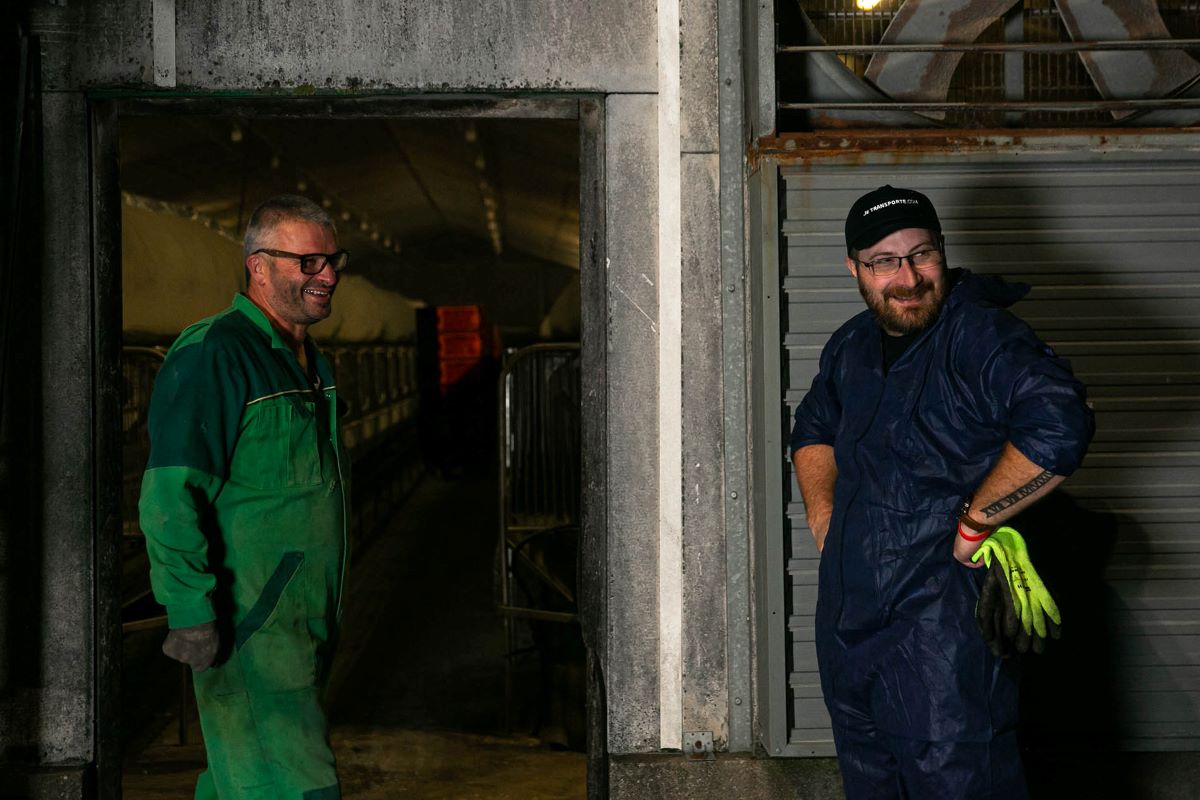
[1070, 694]
[1091, 691]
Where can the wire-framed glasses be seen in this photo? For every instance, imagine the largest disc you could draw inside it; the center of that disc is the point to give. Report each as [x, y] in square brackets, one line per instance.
[884, 266]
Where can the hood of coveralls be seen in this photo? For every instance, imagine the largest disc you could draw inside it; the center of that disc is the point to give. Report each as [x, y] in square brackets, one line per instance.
[969, 287]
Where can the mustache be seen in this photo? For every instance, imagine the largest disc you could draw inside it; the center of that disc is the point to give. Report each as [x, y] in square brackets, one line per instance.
[907, 294]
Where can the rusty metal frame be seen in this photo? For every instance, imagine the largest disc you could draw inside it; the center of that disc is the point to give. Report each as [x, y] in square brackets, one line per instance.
[995, 47]
[766, 158]
[1005, 105]
[808, 146]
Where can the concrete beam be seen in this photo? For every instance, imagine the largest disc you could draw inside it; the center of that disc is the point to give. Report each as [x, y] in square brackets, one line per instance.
[705, 692]
[63, 723]
[698, 76]
[743, 777]
[371, 45]
[632, 671]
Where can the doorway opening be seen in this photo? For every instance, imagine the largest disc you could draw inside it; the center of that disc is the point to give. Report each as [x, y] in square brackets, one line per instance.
[456, 635]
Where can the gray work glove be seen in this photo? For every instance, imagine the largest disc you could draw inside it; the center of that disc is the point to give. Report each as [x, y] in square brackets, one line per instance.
[195, 646]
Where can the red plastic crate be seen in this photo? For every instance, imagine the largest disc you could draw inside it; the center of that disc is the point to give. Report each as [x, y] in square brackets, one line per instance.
[459, 318]
[460, 345]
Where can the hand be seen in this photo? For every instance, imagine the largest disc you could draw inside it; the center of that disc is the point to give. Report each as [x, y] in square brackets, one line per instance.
[195, 646]
[1031, 604]
[964, 551]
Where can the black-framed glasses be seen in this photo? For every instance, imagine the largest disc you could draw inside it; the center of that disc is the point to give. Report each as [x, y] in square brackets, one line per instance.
[312, 263]
[884, 266]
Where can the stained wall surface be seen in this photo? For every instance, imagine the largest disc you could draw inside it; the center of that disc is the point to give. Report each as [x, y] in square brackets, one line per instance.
[298, 48]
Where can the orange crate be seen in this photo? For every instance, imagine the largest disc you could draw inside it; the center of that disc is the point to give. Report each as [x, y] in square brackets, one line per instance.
[459, 318]
[460, 345]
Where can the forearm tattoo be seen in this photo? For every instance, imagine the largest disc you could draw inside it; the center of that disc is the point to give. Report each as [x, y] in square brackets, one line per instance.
[1019, 495]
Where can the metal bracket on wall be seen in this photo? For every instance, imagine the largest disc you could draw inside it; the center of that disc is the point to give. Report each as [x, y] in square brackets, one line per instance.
[698, 746]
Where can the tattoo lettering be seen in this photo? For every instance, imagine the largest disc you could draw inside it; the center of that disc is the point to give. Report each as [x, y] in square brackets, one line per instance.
[1019, 494]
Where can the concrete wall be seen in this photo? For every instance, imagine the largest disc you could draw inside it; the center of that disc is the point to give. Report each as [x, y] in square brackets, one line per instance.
[376, 44]
[667, 669]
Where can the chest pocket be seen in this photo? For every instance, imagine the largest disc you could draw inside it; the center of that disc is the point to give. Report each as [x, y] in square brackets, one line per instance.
[279, 445]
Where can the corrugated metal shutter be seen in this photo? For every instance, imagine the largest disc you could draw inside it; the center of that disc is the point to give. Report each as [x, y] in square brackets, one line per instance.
[1111, 243]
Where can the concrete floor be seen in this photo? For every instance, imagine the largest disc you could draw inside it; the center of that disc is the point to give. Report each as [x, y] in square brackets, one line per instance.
[417, 692]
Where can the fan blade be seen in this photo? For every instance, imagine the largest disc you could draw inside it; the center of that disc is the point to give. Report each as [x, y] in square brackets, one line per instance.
[925, 77]
[827, 79]
[1128, 74]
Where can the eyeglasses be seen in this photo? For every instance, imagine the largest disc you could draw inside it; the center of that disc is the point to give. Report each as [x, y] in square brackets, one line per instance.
[889, 265]
[312, 263]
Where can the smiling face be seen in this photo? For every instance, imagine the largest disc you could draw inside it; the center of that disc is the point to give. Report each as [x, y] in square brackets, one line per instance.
[909, 300]
[292, 299]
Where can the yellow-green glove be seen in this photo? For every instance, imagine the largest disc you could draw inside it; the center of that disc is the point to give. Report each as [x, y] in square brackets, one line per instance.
[1031, 601]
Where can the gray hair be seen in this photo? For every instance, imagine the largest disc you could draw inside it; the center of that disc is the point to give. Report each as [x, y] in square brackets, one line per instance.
[277, 210]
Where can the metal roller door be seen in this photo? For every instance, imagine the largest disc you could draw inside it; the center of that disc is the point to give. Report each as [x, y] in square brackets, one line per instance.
[1109, 236]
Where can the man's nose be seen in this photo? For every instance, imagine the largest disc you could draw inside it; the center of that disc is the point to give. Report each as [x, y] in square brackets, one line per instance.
[327, 275]
[908, 274]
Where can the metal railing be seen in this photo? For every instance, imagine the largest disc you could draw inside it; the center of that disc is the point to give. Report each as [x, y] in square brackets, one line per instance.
[540, 481]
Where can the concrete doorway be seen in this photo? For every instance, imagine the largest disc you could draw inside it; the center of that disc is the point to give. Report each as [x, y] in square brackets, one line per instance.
[215, 189]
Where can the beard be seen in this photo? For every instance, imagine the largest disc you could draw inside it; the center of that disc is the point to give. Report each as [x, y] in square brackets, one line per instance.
[898, 320]
[292, 305]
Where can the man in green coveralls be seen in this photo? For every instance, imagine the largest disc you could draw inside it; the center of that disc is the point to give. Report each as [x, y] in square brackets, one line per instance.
[244, 505]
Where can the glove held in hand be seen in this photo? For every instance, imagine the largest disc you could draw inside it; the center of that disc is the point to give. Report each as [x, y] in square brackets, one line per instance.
[195, 646]
[1020, 609]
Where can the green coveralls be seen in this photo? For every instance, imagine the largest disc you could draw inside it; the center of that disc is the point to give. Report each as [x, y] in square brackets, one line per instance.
[244, 506]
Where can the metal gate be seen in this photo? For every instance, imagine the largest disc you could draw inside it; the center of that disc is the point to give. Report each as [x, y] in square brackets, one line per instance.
[540, 485]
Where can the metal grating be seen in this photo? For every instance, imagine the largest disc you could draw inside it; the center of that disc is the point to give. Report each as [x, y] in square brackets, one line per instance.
[1057, 85]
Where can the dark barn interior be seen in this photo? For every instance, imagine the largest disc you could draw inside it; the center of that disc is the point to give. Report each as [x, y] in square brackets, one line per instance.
[464, 241]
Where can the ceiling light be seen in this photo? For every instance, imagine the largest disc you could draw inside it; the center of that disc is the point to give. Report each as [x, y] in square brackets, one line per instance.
[387, 241]
[374, 236]
[363, 226]
[301, 186]
[326, 202]
[345, 216]
[866, 5]
[235, 133]
[480, 163]
[274, 162]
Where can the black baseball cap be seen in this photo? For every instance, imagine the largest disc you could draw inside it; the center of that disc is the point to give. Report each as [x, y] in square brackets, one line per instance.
[887, 210]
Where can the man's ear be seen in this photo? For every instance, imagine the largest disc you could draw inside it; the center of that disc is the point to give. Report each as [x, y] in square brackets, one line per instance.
[255, 268]
[852, 265]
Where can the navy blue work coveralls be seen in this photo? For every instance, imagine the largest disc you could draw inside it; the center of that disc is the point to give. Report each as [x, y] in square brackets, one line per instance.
[920, 707]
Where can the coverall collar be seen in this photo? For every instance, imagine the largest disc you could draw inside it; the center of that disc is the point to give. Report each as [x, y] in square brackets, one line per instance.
[256, 315]
[245, 305]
